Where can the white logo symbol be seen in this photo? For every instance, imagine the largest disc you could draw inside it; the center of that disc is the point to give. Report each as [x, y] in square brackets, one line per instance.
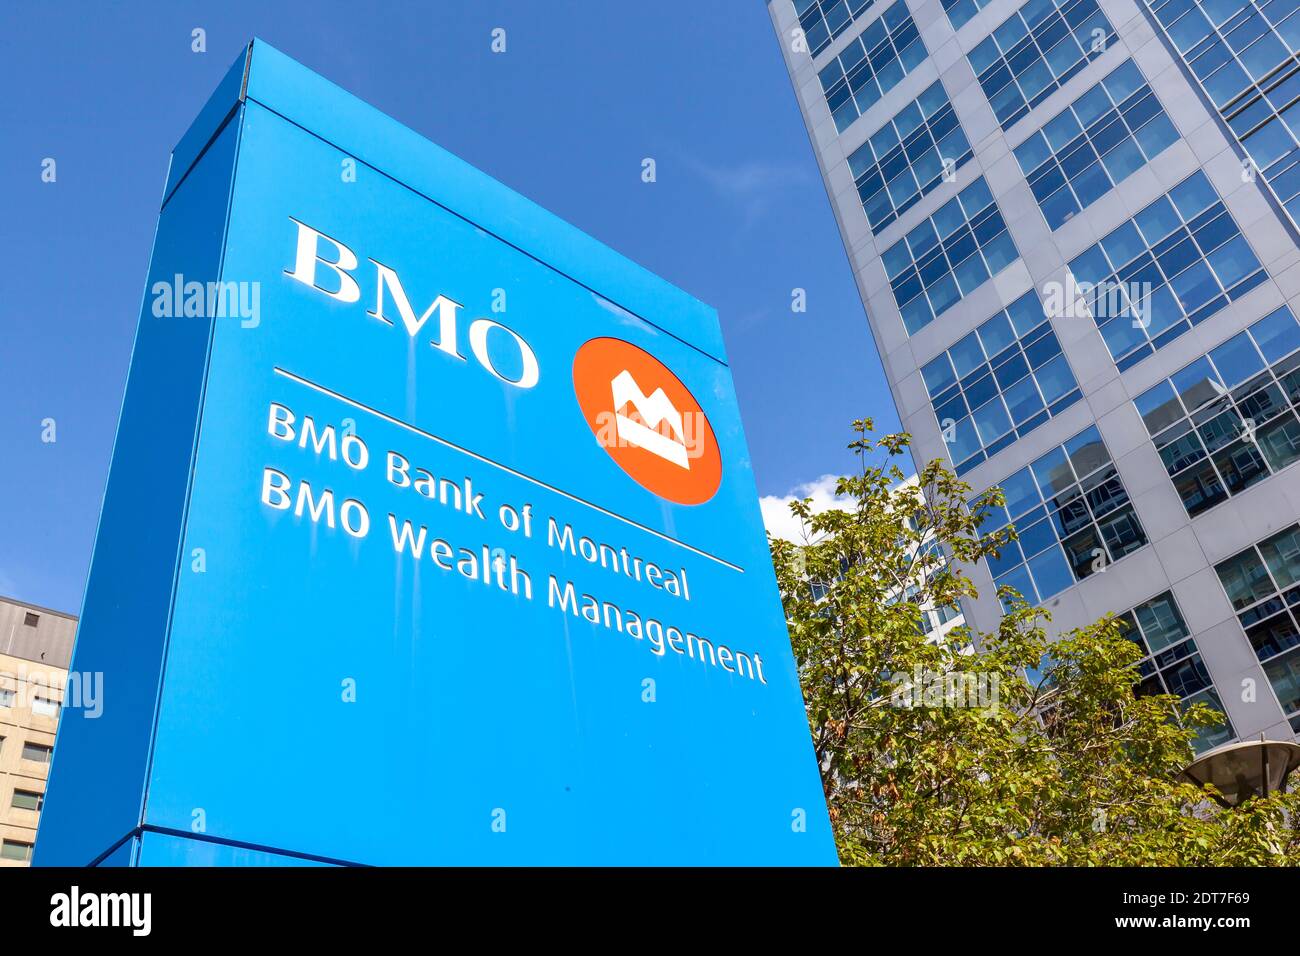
[653, 411]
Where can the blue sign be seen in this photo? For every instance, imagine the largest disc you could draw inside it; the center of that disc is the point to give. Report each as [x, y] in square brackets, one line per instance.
[430, 535]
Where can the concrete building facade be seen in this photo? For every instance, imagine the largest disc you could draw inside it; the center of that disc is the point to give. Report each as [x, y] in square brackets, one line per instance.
[1072, 225]
[35, 648]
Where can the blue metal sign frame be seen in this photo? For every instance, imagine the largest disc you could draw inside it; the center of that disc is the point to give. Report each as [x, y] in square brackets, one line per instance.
[373, 582]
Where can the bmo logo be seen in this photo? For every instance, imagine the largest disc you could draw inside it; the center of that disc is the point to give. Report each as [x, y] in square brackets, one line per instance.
[326, 265]
[639, 411]
[647, 421]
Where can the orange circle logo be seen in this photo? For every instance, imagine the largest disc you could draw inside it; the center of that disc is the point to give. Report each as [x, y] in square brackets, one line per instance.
[647, 420]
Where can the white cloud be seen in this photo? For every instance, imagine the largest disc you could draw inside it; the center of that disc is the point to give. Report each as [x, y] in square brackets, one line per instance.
[777, 518]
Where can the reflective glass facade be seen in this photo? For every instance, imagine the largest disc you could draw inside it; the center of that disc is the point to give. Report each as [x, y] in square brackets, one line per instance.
[872, 64]
[1171, 663]
[1035, 50]
[1261, 584]
[1173, 265]
[823, 20]
[1243, 53]
[1097, 142]
[1072, 516]
[909, 157]
[948, 256]
[1229, 420]
[999, 383]
[960, 11]
[1116, 115]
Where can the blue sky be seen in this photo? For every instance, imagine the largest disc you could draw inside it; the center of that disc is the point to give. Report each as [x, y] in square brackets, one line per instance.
[585, 90]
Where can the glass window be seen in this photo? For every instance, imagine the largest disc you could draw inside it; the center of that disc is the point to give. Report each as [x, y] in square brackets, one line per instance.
[1282, 555]
[1245, 579]
[1232, 262]
[1171, 662]
[1236, 360]
[823, 20]
[1035, 51]
[1217, 436]
[1087, 452]
[1161, 622]
[967, 230]
[15, 850]
[36, 752]
[1254, 580]
[1246, 63]
[1021, 493]
[1277, 334]
[1155, 253]
[1193, 195]
[1091, 518]
[909, 157]
[1159, 407]
[996, 334]
[995, 385]
[1123, 245]
[960, 11]
[938, 374]
[872, 63]
[1052, 573]
[26, 800]
[1060, 161]
[1155, 222]
[1197, 384]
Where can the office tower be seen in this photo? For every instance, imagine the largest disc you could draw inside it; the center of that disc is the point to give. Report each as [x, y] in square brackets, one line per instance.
[35, 647]
[1073, 227]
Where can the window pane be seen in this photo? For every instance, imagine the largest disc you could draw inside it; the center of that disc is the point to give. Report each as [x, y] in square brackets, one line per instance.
[1197, 384]
[1233, 261]
[15, 850]
[1159, 407]
[1161, 621]
[1064, 528]
[1277, 334]
[1282, 554]
[1193, 195]
[1284, 674]
[1236, 359]
[1245, 579]
[37, 752]
[1280, 442]
[1051, 573]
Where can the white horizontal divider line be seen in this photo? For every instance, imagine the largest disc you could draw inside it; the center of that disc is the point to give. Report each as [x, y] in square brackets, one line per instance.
[506, 468]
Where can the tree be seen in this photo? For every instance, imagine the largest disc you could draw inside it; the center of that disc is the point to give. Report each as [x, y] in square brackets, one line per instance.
[1025, 751]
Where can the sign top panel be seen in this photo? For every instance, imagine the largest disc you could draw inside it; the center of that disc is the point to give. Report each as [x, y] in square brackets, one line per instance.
[266, 76]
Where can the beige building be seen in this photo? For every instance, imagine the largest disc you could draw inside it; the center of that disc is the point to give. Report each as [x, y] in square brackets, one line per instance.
[35, 648]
